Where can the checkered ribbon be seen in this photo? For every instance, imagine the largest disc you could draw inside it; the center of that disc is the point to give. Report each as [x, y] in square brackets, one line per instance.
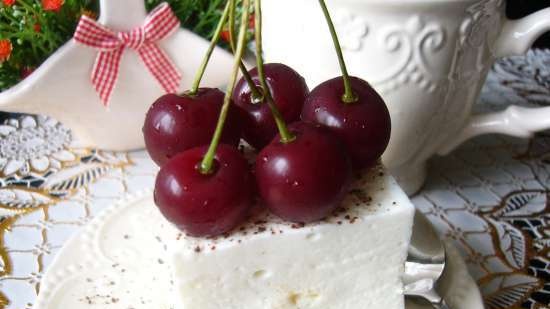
[160, 23]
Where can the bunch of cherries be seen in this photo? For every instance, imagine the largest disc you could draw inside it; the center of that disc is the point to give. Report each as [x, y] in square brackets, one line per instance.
[302, 171]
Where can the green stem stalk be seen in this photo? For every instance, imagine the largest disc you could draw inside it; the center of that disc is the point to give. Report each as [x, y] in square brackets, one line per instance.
[349, 96]
[257, 95]
[208, 160]
[213, 42]
[286, 135]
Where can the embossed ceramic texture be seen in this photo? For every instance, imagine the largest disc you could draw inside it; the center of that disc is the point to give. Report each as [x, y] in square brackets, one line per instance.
[115, 263]
[428, 59]
[61, 86]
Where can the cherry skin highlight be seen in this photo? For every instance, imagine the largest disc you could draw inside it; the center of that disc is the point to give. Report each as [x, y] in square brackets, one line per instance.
[289, 91]
[364, 126]
[205, 204]
[306, 179]
[175, 123]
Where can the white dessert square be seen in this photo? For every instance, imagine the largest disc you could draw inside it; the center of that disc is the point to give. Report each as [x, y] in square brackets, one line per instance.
[354, 259]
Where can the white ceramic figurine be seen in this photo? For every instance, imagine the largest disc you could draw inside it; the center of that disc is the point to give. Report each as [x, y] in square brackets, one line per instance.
[61, 87]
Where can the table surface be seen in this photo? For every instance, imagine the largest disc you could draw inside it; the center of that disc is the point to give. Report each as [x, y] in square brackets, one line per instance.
[491, 197]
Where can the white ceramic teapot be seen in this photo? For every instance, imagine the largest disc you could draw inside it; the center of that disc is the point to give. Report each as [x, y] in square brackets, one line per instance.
[61, 86]
[428, 59]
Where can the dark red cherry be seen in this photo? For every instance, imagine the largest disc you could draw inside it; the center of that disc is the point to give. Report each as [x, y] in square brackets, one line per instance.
[289, 90]
[364, 126]
[175, 123]
[205, 205]
[306, 179]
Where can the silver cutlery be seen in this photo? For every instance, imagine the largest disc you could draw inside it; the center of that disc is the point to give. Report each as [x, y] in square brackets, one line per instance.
[425, 263]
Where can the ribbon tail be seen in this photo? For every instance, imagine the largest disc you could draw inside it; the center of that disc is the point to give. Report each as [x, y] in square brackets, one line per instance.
[161, 67]
[105, 73]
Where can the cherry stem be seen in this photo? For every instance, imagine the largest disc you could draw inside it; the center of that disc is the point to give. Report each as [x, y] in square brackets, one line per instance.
[349, 96]
[208, 160]
[210, 50]
[257, 95]
[286, 135]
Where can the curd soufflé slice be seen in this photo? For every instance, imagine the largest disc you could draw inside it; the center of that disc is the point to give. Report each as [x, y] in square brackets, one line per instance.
[353, 259]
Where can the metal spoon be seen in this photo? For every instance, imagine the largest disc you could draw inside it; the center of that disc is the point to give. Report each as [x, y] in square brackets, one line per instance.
[425, 263]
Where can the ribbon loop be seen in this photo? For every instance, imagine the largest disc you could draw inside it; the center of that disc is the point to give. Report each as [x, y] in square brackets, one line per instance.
[133, 39]
[159, 24]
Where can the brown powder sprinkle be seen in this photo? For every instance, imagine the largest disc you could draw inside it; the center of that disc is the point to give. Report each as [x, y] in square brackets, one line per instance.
[260, 220]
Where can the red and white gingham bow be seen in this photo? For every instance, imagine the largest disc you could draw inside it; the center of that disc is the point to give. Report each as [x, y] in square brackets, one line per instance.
[160, 23]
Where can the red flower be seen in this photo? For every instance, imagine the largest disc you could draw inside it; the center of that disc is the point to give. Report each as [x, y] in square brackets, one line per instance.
[26, 71]
[252, 21]
[251, 25]
[52, 5]
[37, 27]
[225, 35]
[8, 2]
[5, 50]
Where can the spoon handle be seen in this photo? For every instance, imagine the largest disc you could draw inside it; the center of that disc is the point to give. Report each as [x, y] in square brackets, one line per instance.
[440, 305]
[430, 295]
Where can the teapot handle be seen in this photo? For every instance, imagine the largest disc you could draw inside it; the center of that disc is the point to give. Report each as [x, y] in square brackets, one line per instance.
[516, 38]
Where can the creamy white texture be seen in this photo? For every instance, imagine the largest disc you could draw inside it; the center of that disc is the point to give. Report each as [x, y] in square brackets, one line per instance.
[354, 259]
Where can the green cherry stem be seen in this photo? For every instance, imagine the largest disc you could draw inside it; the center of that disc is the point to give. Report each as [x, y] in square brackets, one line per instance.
[213, 42]
[256, 94]
[286, 135]
[208, 160]
[232, 15]
[349, 96]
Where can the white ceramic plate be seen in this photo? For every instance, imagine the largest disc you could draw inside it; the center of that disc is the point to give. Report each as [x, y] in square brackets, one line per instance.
[119, 261]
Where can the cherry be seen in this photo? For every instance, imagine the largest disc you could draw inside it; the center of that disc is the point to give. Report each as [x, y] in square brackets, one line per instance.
[205, 204]
[206, 191]
[364, 125]
[288, 90]
[306, 179]
[175, 123]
